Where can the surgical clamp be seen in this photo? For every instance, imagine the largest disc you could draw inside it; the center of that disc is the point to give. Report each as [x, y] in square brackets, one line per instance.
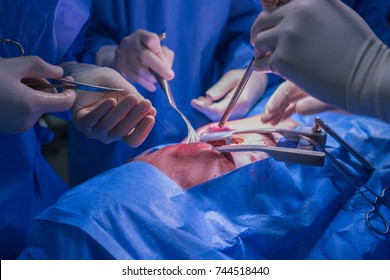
[374, 213]
[303, 154]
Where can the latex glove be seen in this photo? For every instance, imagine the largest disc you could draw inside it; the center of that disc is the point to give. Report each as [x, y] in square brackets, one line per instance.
[22, 106]
[136, 55]
[326, 49]
[217, 98]
[111, 116]
[289, 99]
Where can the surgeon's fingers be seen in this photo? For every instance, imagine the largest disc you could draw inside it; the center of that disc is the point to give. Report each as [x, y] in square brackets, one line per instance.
[153, 55]
[143, 77]
[265, 21]
[168, 55]
[151, 41]
[131, 120]
[279, 103]
[264, 45]
[85, 119]
[146, 84]
[285, 94]
[310, 105]
[138, 136]
[224, 85]
[146, 79]
[57, 102]
[158, 65]
[212, 110]
[113, 117]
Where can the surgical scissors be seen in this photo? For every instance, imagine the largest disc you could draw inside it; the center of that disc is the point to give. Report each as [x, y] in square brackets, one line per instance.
[372, 215]
[69, 84]
[63, 83]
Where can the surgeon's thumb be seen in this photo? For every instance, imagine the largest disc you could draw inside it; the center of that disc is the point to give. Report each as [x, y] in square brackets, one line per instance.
[55, 102]
[36, 67]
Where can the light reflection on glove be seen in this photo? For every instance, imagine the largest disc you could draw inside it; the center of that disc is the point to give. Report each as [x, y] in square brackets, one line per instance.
[135, 55]
[22, 106]
[111, 116]
[217, 98]
[289, 99]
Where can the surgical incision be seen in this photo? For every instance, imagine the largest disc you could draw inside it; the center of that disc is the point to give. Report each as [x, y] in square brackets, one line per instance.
[192, 164]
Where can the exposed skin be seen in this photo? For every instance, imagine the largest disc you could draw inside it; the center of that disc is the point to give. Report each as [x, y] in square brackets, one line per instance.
[193, 164]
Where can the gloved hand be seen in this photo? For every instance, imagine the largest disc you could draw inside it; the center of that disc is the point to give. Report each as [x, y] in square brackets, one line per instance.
[22, 106]
[289, 99]
[327, 50]
[136, 55]
[111, 116]
[217, 98]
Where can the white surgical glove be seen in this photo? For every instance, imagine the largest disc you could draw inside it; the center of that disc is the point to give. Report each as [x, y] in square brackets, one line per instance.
[111, 116]
[217, 98]
[136, 55]
[22, 106]
[289, 99]
[326, 49]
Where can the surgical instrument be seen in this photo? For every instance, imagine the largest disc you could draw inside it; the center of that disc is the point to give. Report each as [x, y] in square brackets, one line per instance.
[20, 47]
[192, 137]
[319, 123]
[302, 154]
[63, 83]
[372, 214]
[237, 93]
[69, 84]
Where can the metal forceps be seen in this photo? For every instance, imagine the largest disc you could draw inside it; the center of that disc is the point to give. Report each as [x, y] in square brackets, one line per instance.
[302, 154]
[237, 93]
[69, 84]
[374, 214]
[62, 82]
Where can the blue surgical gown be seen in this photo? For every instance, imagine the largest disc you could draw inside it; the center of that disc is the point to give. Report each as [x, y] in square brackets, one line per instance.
[376, 14]
[28, 184]
[208, 38]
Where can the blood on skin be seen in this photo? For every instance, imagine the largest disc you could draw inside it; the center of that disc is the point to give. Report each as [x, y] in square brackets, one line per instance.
[192, 164]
